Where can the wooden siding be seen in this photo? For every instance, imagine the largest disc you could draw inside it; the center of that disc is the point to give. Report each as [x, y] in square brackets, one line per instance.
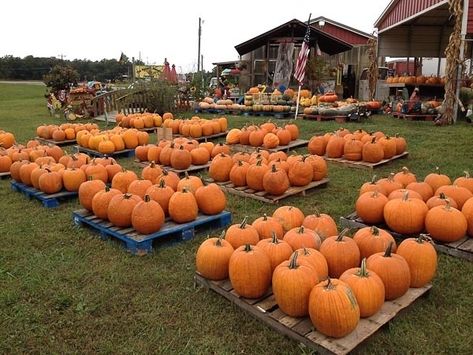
[343, 34]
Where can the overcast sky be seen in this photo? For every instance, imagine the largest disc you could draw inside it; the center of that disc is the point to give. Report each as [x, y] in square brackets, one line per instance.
[95, 29]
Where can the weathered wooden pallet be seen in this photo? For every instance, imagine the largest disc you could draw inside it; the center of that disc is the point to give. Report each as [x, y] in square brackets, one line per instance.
[412, 117]
[364, 164]
[320, 118]
[59, 143]
[189, 170]
[5, 175]
[148, 129]
[462, 248]
[141, 244]
[203, 138]
[245, 191]
[121, 153]
[285, 148]
[301, 329]
[48, 200]
[210, 110]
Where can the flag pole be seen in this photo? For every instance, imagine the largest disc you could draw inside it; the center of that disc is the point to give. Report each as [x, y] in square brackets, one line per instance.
[297, 103]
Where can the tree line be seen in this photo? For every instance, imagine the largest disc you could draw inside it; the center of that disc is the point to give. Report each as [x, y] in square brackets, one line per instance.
[35, 68]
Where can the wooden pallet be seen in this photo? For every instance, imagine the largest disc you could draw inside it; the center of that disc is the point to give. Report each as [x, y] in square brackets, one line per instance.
[245, 191]
[301, 329]
[273, 114]
[250, 149]
[48, 200]
[414, 117]
[148, 129]
[320, 118]
[5, 175]
[58, 143]
[203, 138]
[364, 164]
[189, 170]
[140, 244]
[121, 153]
[210, 110]
[462, 248]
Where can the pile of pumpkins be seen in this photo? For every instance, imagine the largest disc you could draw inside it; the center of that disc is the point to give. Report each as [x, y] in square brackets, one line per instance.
[145, 203]
[408, 206]
[114, 140]
[274, 172]
[416, 80]
[68, 172]
[197, 127]
[180, 153]
[65, 131]
[357, 146]
[314, 270]
[209, 103]
[29, 152]
[266, 135]
[7, 139]
[142, 120]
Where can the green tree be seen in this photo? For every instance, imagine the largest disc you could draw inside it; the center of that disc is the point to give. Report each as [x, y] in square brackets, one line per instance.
[61, 77]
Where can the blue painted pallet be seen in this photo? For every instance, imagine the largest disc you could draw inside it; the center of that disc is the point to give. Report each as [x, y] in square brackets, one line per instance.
[140, 244]
[123, 153]
[48, 200]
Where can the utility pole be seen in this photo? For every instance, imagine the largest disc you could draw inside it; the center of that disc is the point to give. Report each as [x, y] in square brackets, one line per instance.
[198, 46]
[62, 56]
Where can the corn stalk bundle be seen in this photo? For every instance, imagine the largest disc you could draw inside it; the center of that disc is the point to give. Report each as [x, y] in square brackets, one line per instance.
[373, 66]
[452, 53]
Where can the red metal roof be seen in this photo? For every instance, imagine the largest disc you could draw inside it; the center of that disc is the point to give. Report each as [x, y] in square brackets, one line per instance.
[340, 31]
[469, 28]
[399, 11]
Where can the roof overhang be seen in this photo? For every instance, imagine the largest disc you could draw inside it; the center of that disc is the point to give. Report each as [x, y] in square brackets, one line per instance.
[426, 34]
[296, 29]
[315, 21]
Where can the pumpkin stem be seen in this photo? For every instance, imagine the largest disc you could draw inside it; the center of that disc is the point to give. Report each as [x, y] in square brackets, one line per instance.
[293, 262]
[342, 234]
[273, 168]
[301, 230]
[405, 170]
[447, 206]
[442, 196]
[243, 223]
[373, 180]
[107, 189]
[89, 178]
[363, 272]
[329, 285]
[152, 164]
[387, 253]
[467, 174]
[126, 196]
[305, 251]
[405, 195]
[424, 238]
[274, 238]
[375, 231]
[265, 217]
[240, 163]
[162, 184]
[186, 175]
[247, 248]
[259, 162]
[146, 198]
[316, 212]
[220, 238]
[373, 140]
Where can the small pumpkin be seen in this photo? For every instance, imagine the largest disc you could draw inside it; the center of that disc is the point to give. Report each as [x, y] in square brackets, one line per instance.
[139, 187]
[241, 234]
[333, 308]
[436, 179]
[465, 181]
[250, 271]
[161, 193]
[421, 257]
[183, 207]
[147, 216]
[213, 257]
[372, 186]
[210, 199]
[151, 172]
[372, 152]
[300, 237]
[101, 200]
[458, 193]
[321, 223]
[315, 259]
[192, 183]
[266, 226]
[405, 215]
[238, 173]
[372, 240]
[123, 179]
[393, 269]
[120, 209]
[289, 216]
[370, 207]
[87, 191]
[276, 181]
[341, 253]
[292, 284]
[220, 167]
[300, 173]
[405, 177]
[255, 175]
[446, 224]
[367, 287]
[441, 200]
[277, 250]
[73, 178]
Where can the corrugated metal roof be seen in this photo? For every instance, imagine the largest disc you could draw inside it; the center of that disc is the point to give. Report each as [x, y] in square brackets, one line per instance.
[346, 33]
[327, 42]
[400, 11]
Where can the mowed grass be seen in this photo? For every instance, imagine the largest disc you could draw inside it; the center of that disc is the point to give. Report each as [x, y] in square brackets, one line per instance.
[63, 290]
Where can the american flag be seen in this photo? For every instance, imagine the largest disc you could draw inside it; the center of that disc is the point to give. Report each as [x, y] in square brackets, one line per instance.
[299, 73]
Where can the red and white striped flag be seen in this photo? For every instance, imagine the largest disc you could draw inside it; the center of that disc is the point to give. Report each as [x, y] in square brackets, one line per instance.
[299, 72]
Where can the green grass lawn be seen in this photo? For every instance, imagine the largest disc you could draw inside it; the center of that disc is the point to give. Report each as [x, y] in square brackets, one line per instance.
[63, 290]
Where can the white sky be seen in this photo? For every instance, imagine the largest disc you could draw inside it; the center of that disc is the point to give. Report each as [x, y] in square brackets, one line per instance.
[95, 29]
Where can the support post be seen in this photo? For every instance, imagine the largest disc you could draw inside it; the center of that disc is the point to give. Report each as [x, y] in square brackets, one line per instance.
[461, 58]
[297, 102]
